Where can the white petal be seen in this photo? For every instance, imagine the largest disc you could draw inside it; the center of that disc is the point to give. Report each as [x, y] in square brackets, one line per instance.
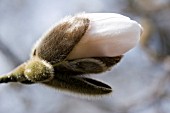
[108, 35]
[104, 16]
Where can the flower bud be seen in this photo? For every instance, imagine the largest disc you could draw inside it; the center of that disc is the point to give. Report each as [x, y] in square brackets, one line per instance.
[108, 35]
[37, 70]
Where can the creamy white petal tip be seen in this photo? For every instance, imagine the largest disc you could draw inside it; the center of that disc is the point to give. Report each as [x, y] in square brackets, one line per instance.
[108, 35]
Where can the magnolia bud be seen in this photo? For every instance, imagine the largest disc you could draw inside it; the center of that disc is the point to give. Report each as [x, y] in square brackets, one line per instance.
[108, 35]
[76, 46]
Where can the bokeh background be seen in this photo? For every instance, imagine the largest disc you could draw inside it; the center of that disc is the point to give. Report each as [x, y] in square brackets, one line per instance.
[141, 81]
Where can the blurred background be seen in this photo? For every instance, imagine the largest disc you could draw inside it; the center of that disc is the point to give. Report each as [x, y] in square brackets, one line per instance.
[141, 81]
